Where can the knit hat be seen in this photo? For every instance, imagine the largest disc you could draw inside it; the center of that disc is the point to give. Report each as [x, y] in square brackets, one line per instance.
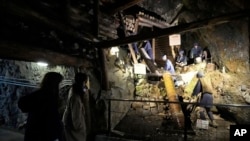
[181, 52]
[164, 57]
[200, 74]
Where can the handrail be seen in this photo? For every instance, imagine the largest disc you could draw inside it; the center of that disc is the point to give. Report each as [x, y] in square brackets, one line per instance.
[195, 103]
[165, 101]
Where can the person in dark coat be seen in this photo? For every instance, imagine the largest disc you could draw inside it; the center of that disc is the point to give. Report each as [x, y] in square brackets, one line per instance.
[44, 122]
[196, 52]
[206, 55]
[181, 59]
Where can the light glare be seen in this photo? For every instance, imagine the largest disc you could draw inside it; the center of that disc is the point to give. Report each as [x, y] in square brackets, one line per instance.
[43, 64]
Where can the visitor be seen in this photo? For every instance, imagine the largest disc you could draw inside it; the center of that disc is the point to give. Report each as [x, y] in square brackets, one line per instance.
[43, 122]
[76, 117]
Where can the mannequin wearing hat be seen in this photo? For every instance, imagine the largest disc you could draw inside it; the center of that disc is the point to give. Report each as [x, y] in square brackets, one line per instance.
[195, 53]
[168, 66]
[203, 109]
[181, 59]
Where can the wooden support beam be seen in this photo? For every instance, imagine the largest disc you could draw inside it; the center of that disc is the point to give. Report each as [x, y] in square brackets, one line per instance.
[132, 53]
[177, 12]
[27, 13]
[15, 51]
[96, 17]
[149, 62]
[153, 48]
[145, 24]
[104, 76]
[152, 22]
[175, 29]
[120, 5]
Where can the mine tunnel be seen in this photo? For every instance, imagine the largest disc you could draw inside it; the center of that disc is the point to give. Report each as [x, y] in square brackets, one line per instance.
[156, 70]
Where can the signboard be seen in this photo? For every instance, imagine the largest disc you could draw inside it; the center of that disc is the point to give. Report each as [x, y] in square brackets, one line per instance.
[114, 51]
[174, 39]
[139, 68]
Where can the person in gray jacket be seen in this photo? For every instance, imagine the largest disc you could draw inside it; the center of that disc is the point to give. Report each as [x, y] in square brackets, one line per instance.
[75, 117]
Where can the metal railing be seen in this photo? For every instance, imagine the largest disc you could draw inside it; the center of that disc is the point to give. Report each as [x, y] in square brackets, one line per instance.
[221, 133]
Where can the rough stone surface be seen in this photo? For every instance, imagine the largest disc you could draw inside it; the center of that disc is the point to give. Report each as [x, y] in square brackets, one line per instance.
[18, 78]
[121, 79]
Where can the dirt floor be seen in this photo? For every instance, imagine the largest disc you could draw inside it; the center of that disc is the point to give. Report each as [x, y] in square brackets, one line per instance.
[141, 125]
[10, 135]
[229, 88]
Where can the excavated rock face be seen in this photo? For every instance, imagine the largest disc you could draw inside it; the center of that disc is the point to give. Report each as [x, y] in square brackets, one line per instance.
[232, 89]
[227, 42]
[229, 47]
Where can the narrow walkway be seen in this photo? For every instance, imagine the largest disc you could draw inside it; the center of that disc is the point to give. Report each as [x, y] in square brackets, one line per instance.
[8, 135]
[156, 127]
[145, 126]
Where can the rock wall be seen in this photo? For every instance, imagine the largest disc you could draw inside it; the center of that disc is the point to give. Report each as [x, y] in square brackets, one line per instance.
[229, 45]
[227, 42]
[18, 78]
[121, 80]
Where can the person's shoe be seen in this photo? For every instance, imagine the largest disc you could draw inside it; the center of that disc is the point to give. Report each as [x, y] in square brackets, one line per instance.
[213, 124]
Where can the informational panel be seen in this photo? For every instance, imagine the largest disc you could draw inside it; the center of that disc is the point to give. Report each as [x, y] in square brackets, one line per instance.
[139, 68]
[114, 51]
[174, 39]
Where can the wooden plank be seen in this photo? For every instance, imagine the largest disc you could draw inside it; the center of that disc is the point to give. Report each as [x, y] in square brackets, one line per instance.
[175, 29]
[96, 17]
[132, 53]
[149, 62]
[22, 52]
[120, 5]
[153, 48]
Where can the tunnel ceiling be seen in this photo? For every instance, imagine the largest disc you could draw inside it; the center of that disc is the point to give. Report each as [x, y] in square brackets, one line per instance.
[73, 28]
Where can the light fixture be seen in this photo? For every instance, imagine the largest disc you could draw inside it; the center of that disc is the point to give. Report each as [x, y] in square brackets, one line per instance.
[114, 51]
[43, 64]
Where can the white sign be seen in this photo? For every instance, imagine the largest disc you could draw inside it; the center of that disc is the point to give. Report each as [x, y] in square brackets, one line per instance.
[114, 51]
[174, 39]
[139, 68]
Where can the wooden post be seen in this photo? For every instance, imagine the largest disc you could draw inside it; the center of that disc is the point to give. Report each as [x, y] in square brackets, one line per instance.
[175, 108]
[153, 48]
[132, 53]
[105, 81]
[175, 29]
[173, 53]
